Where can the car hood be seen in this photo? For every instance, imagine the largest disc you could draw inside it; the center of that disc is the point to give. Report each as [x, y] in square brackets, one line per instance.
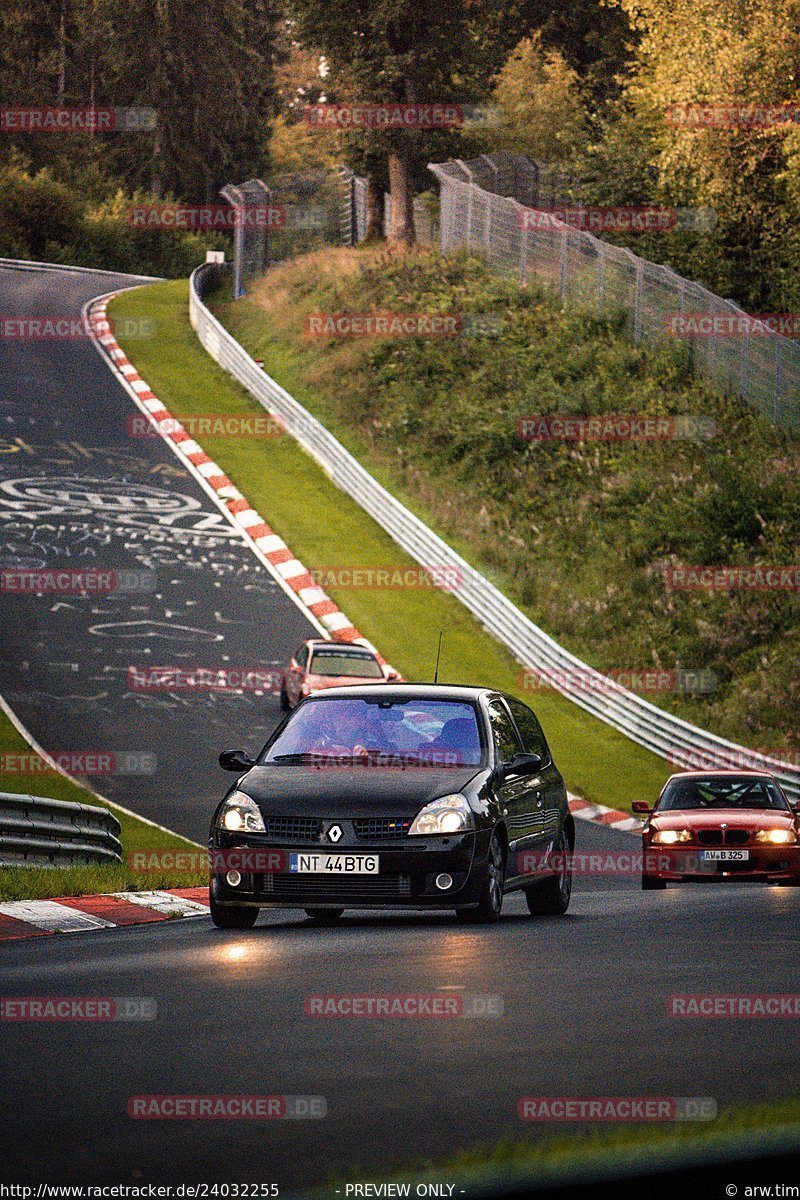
[282, 790]
[319, 683]
[748, 818]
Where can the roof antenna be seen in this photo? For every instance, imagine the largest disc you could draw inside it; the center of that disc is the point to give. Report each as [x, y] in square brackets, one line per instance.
[438, 655]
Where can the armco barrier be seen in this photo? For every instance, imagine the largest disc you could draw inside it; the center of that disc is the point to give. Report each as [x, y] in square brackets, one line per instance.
[37, 831]
[652, 727]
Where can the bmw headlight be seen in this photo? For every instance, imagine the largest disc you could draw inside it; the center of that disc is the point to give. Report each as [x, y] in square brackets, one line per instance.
[240, 814]
[448, 814]
[776, 837]
[671, 837]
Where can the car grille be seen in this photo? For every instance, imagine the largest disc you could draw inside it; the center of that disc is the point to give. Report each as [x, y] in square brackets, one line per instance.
[293, 829]
[381, 829]
[348, 891]
[713, 837]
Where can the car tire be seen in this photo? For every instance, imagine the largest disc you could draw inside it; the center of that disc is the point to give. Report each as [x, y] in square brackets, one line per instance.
[551, 898]
[285, 705]
[651, 884]
[226, 917]
[324, 916]
[490, 904]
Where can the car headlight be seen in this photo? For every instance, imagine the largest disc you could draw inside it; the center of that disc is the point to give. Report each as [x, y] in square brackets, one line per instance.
[776, 837]
[448, 814]
[240, 814]
[671, 837]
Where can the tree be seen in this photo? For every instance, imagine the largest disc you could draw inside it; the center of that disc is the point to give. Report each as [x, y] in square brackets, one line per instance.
[542, 109]
[718, 52]
[395, 51]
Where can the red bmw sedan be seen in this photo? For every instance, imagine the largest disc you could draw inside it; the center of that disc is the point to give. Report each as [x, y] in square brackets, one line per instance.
[720, 825]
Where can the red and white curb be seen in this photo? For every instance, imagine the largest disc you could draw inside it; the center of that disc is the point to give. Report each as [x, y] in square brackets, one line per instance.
[286, 568]
[598, 814]
[83, 914]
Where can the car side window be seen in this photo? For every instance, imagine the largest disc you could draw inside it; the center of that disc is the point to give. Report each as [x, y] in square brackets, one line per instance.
[532, 734]
[301, 657]
[505, 735]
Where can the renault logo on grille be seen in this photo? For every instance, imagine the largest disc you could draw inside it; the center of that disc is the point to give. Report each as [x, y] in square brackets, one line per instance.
[335, 833]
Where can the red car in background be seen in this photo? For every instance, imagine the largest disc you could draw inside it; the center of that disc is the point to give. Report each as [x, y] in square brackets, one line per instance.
[318, 664]
[720, 825]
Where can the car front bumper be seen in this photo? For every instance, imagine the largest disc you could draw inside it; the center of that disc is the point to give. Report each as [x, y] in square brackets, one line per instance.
[406, 878]
[765, 864]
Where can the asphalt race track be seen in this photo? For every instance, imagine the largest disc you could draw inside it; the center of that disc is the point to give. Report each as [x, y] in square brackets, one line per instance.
[584, 997]
[78, 491]
[584, 1003]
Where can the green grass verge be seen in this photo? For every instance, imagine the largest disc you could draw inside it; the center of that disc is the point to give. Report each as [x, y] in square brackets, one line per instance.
[568, 1157]
[39, 883]
[325, 528]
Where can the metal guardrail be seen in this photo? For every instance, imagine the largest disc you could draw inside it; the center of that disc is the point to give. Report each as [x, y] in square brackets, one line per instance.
[36, 831]
[654, 728]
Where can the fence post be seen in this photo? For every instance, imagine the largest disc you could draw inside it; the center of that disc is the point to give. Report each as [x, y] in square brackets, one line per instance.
[523, 266]
[563, 270]
[744, 364]
[487, 227]
[637, 310]
[471, 187]
[601, 272]
[778, 378]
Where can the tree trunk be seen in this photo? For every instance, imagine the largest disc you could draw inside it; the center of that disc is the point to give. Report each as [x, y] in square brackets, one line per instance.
[401, 230]
[61, 87]
[156, 182]
[374, 228]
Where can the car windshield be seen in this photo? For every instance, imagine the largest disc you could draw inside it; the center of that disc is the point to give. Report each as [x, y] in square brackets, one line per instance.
[437, 733]
[345, 662]
[721, 792]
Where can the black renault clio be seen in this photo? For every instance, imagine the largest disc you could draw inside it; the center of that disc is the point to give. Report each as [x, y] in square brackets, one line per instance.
[398, 796]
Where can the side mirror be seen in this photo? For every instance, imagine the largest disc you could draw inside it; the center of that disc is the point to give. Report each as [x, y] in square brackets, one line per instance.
[522, 765]
[641, 806]
[236, 760]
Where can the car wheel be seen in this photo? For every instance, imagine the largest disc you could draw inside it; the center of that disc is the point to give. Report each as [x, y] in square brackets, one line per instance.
[225, 917]
[324, 916]
[650, 884]
[551, 898]
[284, 700]
[491, 899]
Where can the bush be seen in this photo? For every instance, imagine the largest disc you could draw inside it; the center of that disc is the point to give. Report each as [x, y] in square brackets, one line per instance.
[44, 218]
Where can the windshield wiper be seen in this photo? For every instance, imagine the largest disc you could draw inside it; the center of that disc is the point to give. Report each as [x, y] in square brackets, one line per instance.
[303, 756]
